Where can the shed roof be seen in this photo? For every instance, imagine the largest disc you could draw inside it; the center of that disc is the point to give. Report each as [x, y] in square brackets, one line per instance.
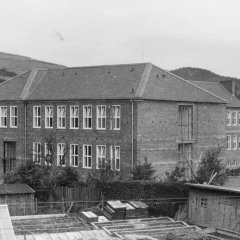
[126, 81]
[15, 189]
[213, 188]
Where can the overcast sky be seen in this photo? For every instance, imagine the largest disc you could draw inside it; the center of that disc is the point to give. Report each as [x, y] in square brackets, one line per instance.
[168, 33]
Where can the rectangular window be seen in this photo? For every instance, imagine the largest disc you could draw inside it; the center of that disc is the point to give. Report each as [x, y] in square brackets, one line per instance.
[87, 117]
[229, 118]
[117, 158]
[203, 202]
[3, 116]
[228, 142]
[101, 156]
[186, 121]
[234, 142]
[61, 154]
[37, 152]
[101, 117]
[87, 156]
[116, 117]
[48, 116]
[13, 116]
[61, 117]
[111, 157]
[234, 118]
[48, 153]
[36, 116]
[74, 155]
[74, 117]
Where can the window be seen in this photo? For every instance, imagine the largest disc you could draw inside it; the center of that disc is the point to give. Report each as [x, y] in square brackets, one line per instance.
[111, 157]
[239, 141]
[228, 142]
[101, 117]
[229, 118]
[87, 117]
[87, 156]
[101, 156]
[117, 158]
[203, 202]
[48, 116]
[3, 116]
[74, 117]
[186, 121]
[13, 116]
[74, 155]
[36, 116]
[37, 152]
[48, 153]
[61, 154]
[61, 117]
[234, 142]
[234, 118]
[116, 117]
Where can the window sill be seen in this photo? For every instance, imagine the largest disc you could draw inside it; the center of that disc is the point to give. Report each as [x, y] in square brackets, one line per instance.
[87, 167]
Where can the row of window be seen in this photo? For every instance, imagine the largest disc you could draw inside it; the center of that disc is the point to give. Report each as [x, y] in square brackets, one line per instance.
[233, 142]
[233, 163]
[233, 118]
[13, 116]
[101, 160]
[74, 117]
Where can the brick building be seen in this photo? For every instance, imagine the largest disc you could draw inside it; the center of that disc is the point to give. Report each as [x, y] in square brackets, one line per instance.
[122, 114]
[232, 153]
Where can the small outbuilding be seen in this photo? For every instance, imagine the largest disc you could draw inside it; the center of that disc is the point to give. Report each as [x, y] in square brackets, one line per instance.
[18, 197]
[214, 206]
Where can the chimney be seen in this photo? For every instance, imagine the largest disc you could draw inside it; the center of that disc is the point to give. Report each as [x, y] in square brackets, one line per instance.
[233, 88]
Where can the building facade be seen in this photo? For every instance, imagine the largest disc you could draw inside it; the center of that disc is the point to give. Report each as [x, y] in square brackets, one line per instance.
[120, 114]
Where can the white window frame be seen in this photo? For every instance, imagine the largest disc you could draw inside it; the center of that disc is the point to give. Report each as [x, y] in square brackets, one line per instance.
[74, 156]
[87, 118]
[117, 158]
[229, 142]
[229, 118]
[86, 157]
[101, 156]
[37, 152]
[13, 116]
[47, 152]
[234, 142]
[48, 117]
[116, 117]
[61, 147]
[3, 116]
[36, 117]
[234, 118]
[74, 117]
[101, 117]
[61, 117]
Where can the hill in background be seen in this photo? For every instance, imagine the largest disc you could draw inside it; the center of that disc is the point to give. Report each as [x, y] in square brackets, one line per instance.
[198, 74]
[12, 64]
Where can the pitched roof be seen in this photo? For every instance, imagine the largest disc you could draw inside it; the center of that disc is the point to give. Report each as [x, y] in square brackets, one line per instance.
[219, 90]
[15, 189]
[127, 81]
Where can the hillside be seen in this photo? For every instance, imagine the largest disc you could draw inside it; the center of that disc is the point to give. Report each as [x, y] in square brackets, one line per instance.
[12, 64]
[198, 74]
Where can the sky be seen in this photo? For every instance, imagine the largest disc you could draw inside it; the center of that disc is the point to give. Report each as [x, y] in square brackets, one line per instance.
[167, 33]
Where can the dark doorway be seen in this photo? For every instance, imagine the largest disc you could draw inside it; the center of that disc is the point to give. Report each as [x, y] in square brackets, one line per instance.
[9, 158]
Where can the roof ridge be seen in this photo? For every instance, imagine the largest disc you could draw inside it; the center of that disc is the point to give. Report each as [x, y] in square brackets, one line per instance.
[2, 83]
[190, 83]
[144, 80]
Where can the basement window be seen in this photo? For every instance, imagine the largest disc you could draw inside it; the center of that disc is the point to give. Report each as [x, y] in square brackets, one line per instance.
[203, 202]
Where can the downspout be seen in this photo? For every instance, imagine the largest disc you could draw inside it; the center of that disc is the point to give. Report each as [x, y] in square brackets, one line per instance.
[132, 135]
[25, 131]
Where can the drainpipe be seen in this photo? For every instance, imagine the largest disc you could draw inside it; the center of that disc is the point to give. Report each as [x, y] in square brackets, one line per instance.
[132, 135]
[25, 130]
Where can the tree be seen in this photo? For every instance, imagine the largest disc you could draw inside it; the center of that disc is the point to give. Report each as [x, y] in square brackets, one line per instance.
[144, 171]
[211, 164]
[176, 176]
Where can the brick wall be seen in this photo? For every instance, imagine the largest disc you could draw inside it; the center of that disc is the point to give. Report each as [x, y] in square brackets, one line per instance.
[158, 132]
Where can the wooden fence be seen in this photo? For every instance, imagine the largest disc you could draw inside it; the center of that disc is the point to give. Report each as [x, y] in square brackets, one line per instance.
[78, 193]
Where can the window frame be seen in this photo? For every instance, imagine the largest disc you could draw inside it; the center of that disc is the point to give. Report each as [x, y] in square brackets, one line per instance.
[102, 117]
[61, 153]
[229, 118]
[87, 157]
[36, 117]
[203, 202]
[73, 156]
[229, 142]
[72, 117]
[13, 116]
[48, 117]
[3, 116]
[234, 142]
[116, 118]
[61, 118]
[116, 158]
[102, 157]
[86, 118]
[234, 118]
[37, 154]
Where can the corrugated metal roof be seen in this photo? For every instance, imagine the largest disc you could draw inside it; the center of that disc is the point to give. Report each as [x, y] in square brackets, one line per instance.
[15, 189]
